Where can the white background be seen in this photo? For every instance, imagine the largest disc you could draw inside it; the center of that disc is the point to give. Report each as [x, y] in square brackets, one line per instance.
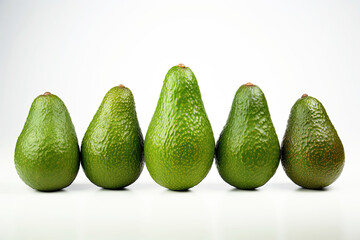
[78, 50]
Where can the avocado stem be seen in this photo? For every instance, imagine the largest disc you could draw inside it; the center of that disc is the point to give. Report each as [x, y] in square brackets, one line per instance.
[249, 84]
[181, 65]
[304, 95]
[121, 86]
[47, 93]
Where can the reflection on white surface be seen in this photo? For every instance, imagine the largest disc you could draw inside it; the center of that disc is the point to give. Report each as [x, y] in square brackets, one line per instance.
[247, 215]
[312, 215]
[147, 211]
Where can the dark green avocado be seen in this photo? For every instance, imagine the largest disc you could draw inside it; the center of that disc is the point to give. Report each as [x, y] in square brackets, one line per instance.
[312, 154]
[248, 152]
[47, 154]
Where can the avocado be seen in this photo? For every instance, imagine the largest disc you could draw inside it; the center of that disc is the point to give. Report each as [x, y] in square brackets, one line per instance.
[47, 154]
[312, 154]
[248, 152]
[113, 147]
[179, 143]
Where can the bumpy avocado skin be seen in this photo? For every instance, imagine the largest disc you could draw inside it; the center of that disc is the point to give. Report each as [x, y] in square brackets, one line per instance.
[113, 146]
[312, 153]
[47, 154]
[179, 144]
[248, 152]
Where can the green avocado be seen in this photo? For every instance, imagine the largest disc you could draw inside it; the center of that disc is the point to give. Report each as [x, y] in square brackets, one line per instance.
[248, 152]
[179, 144]
[113, 147]
[47, 154]
[312, 154]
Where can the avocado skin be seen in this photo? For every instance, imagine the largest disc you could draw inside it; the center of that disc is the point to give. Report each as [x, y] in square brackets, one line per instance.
[113, 147]
[312, 154]
[247, 153]
[47, 154]
[179, 144]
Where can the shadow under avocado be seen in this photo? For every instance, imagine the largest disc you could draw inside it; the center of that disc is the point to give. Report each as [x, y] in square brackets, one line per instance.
[51, 191]
[114, 189]
[244, 190]
[177, 191]
[301, 189]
